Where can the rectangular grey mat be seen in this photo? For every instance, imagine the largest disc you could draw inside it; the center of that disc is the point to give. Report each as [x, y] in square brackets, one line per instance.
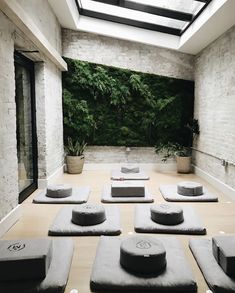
[63, 225]
[107, 197]
[107, 273]
[79, 195]
[118, 175]
[191, 225]
[169, 192]
[214, 275]
[57, 275]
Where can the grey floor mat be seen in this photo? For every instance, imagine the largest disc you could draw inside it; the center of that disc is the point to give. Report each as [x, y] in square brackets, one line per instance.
[107, 273]
[214, 275]
[191, 225]
[106, 197]
[63, 226]
[57, 275]
[118, 175]
[169, 192]
[79, 195]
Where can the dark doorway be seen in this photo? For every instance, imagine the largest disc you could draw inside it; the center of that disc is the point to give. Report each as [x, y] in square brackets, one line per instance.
[26, 126]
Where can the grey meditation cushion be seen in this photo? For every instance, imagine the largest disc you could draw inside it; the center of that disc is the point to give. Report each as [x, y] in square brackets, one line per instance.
[223, 248]
[59, 191]
[128, 170]
[167, 214]
[189, 188]
[24, 259]
[127, 189]
[88, 214]
[142, 254]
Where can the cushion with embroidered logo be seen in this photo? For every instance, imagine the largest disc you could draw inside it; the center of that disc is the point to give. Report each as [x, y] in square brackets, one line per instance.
[24, 259]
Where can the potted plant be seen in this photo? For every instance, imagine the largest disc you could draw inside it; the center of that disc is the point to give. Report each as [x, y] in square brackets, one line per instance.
[182, 153]
[74, 156]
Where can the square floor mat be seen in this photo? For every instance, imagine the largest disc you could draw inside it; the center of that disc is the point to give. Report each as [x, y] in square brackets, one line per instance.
[79, 195]
[214, 275]
[191, 224]
[108, 274]
[63, 225]
[169, 192]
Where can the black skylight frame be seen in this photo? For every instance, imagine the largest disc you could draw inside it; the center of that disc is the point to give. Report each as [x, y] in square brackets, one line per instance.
[160, 11]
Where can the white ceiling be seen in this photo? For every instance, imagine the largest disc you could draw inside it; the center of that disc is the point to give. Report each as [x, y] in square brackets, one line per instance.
[217, 18]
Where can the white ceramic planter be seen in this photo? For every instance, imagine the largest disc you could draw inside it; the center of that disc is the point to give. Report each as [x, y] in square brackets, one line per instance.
[183, 164]
[75, 164]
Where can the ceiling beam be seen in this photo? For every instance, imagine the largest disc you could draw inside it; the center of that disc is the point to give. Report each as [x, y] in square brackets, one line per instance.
[197, 15]
[127, 21]
[183, 16]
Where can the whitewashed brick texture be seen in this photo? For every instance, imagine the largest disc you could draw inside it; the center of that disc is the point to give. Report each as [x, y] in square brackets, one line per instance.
[8, 156]
[125, 54]
[48, 101]
[215, 107]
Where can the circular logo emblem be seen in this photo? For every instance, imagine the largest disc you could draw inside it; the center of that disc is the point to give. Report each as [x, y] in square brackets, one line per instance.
[143, 245]
[16, 246]
[164, 206]
[88, 207]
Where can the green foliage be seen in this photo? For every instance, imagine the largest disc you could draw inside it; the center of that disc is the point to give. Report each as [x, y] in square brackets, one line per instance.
[170, 149]
[74, 148]
[111, 106]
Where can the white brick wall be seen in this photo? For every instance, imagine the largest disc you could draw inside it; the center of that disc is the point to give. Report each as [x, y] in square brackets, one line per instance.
[124, 54]
[54, 118]
[48, 102]
[49, 119]
[8, 156]
[215, 107]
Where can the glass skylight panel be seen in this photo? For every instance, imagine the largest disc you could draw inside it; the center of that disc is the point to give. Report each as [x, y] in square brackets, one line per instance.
[132, 14]
[167, 16]
[188, 6]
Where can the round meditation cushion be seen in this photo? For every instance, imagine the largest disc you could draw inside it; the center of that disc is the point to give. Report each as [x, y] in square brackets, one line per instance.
[189, 188]
[142, 254]
[167, 214]
[88, 214]
[59, 191]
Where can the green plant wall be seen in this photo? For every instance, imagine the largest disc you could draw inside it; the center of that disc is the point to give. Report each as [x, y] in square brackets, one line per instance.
[111, 106]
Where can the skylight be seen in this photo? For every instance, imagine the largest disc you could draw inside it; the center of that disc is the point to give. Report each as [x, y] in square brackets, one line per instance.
[167, 16]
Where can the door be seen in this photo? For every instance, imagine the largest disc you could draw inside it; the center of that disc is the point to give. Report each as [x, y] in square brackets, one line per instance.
[26, 126]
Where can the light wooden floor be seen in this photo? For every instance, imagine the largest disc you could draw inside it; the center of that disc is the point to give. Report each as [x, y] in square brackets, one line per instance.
[217, 217]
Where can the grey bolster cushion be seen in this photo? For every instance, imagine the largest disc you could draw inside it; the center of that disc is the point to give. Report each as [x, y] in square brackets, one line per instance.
[57, 274]
[216, 278]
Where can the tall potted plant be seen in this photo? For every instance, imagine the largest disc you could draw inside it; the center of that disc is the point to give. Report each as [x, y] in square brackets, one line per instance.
[74, 156]
[182, 153]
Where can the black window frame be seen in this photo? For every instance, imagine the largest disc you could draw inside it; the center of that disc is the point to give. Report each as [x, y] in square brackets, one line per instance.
[169, 13]
[21, 60]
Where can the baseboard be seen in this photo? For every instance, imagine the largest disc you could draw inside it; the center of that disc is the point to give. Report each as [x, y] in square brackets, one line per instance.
[9, 220]
[43, 183]
[226, 189]
[160, 167]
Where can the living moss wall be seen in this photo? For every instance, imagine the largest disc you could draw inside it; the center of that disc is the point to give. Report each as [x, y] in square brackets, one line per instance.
[111, 106]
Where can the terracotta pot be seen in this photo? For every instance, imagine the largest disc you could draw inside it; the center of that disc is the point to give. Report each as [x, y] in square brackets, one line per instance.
[75, 164]
[183, 164]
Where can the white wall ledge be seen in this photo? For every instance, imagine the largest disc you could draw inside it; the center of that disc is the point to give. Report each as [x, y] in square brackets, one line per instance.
[24, 22]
